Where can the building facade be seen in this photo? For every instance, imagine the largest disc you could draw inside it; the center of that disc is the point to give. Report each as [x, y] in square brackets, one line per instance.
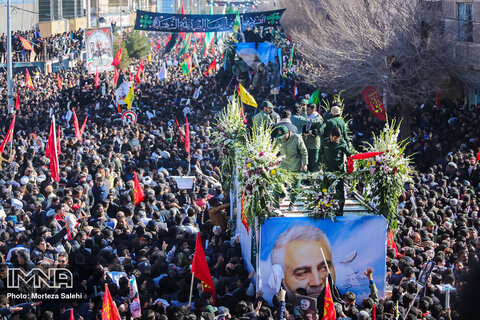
[463, 18]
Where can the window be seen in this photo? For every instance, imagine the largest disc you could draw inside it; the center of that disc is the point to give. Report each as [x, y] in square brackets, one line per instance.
[465, 22]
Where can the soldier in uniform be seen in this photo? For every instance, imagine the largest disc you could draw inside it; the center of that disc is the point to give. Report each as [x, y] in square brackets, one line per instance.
[333, 149]
[335, 121]
[296, 156]
[311, 137]
[267, 115]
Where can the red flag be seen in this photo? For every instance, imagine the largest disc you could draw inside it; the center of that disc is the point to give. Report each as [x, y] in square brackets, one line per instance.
[53, 153]
[374, 312]
[391, 243]
[158, 46]
[243, 115]
[119, 110]
[187, 136]
[8, 137]
[437, 99]
[200, 268]
[328, 307]
[374, 102]
[115, 76]
[179, 131]
[211, 68]
[17, 103]
[130, 77]
[139, 72]
[78, 133]
[48, 148]
[28, 81]
[97, 79]
[243, 214]
[295, 91]
[183, 9]
[109, 309]
[72, 317]
[118, 57]
[82, 129]
[478, 155]
[168, 40]
[213, 47]
[58, 141]
[59, 82]
[360, 156]
[26, 45]
[138, 195]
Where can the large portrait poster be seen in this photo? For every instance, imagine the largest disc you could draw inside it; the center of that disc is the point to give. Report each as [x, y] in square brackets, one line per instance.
[251, 52]
[121, 92]
[350, 245]
[99, 45]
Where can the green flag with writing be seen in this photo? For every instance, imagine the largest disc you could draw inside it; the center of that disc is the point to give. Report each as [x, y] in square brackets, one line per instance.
[315, 97]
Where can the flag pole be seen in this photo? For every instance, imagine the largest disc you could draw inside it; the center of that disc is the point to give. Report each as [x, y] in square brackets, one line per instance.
[9, 62]
[325, 260]
[191, 290]
[11, 143]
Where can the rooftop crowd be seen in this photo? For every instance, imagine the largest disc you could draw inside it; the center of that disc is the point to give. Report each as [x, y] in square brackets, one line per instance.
[88, 222]
[44, 48]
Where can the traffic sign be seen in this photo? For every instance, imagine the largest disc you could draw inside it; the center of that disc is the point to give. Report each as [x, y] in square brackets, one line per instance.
[129, 117]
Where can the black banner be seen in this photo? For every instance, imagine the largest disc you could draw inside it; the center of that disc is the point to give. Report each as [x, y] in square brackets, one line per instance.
[167, 22]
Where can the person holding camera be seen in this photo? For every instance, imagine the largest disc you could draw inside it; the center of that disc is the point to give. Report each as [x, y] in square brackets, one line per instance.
[311, 137]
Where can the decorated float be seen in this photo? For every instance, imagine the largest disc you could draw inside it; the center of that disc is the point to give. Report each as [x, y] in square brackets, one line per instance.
[284, 240]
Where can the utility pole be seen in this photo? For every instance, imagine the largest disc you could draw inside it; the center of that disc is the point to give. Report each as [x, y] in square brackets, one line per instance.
[97, 8]
[9, 59]
[121, 16]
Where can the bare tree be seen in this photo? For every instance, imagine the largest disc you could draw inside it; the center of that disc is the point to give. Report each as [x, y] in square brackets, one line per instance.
[400, 46]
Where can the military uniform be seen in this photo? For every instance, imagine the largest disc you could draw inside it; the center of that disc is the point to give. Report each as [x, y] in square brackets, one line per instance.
[301, 122]
[334, 160]
[333, 154]
[265, 118]
[296, 156]
[313, 141]
[262, 118]
[330, 124]
[294, 151]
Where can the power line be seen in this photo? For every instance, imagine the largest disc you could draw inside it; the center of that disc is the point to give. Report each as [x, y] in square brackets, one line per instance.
[21, 9]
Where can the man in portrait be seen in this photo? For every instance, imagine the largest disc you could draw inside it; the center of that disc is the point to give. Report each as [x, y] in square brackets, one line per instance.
[299, 251]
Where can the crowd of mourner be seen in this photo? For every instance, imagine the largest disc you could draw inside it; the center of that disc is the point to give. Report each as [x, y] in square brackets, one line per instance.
[88, 223]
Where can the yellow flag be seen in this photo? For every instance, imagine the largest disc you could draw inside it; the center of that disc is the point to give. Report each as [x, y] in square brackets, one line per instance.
[149, 58]
[130, 97]
[246, 97]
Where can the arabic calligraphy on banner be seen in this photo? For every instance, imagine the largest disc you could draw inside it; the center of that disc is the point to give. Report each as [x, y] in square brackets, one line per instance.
[167, 22]
[374, 102]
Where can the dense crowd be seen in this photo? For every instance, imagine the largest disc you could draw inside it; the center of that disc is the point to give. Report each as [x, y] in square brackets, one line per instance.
[44, 48]
[88, 222]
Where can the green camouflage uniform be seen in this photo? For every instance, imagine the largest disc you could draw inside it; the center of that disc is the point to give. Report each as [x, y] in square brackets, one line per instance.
[262, 118]
[296, 155]
[334, 160]
[313, 142]
[330, 124]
